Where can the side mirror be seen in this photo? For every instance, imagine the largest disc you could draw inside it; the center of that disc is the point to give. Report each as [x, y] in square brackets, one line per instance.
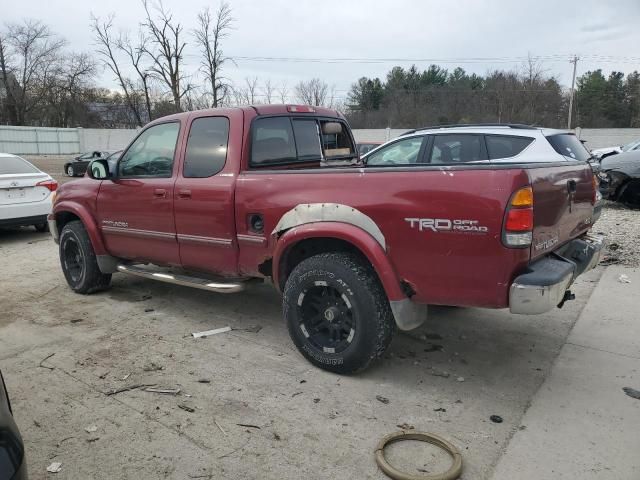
[99, 169]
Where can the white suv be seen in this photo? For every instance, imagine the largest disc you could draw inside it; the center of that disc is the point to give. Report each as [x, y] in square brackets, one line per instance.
[482, 143]
[26, 193]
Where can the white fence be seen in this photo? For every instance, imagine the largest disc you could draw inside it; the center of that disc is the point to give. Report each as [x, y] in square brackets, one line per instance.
[68, 141]
[61, 141]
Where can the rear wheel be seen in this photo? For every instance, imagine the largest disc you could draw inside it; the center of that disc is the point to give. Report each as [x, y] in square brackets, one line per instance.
[337, 312]
[78, 260]
[71, 171]
[42, 227]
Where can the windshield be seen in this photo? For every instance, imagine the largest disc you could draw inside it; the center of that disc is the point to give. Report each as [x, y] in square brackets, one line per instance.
[13, 165]
[567, 144]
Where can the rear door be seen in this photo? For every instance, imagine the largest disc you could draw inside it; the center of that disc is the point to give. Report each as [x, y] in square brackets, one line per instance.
[204, 205]
[135, 209]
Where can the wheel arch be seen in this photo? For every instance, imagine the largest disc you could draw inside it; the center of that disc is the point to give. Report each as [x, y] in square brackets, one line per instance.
[66, 212]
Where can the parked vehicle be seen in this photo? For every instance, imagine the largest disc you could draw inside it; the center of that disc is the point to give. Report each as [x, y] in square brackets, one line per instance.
[605, 152]
[620, 178]
[278, 192]
[26, 193]
[12, 458]
[78, 166]
[366, 147]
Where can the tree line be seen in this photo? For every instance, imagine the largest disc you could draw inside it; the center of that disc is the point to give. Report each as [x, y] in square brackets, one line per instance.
[44, 83]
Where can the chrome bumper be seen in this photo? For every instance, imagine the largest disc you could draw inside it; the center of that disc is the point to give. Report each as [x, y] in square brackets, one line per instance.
[53, 228]
[544, 285]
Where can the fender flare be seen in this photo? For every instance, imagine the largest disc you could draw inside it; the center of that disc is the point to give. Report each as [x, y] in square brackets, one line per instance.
[87, 220]
[352, 234]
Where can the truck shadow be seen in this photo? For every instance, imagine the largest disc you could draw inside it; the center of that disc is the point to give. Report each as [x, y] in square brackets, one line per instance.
[16, 235]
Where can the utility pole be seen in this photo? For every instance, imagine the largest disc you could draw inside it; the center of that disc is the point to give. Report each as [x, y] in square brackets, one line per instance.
[574, 60]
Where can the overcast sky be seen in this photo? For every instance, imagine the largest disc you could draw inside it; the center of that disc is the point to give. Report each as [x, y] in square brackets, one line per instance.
[503, 30]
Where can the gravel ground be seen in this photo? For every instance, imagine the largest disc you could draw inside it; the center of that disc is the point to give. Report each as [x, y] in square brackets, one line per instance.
[621, 228]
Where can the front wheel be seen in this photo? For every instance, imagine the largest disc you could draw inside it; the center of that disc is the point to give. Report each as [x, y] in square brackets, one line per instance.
[337, 312]
[70, 171]
[78, 260]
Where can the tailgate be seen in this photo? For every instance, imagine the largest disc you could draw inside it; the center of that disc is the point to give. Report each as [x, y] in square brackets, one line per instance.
[562, 204]
[22, 188]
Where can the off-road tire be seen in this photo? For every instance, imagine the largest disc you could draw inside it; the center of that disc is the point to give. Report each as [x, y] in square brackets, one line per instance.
[88, 278]
[42, 227]
[352, 277]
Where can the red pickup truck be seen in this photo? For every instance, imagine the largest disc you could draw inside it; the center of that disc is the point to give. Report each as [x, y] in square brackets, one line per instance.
[215, 199]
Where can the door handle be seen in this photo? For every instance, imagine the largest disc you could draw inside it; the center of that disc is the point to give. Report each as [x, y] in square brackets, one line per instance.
[184, 193]
[160, 193]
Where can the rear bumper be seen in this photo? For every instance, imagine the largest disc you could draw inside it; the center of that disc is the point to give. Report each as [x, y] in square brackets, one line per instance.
[543, 286]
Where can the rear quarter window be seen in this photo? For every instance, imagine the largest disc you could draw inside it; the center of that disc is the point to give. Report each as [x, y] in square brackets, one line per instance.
[206, 147]
[567, 144]
[503, 146]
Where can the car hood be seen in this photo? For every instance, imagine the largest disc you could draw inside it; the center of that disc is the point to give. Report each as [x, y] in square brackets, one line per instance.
[627, 163]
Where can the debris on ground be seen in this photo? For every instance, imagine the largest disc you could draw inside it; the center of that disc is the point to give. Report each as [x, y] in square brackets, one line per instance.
[44, 360]
[440, 373]
[126, 376]
[632, 392]
[439, 409]
[405, 426]
[495, 418]
[433, 347]
[76, 320]
[295, 394]
[91, 429]
[55, 467]
[146, 297]
[152, 367]
[186, 408]
[460, 379]
[102, 376]
[276, 436]
[165, 391]
[207, 333]
[149, 310]
[204, 380]
[382, 399]
[316, 400]
[248, 425]
[126, 389]
[92, 439]
[218, 425]
[624, 278]
[250, 329]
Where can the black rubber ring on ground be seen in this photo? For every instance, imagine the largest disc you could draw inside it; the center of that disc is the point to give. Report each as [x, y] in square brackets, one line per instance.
[454, 471]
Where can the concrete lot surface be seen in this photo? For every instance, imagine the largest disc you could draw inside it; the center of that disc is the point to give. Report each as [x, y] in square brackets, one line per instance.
[298, 421]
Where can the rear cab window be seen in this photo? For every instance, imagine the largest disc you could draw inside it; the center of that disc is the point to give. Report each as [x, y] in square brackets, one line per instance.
[300, 142]
[16, 165]
[568, 145]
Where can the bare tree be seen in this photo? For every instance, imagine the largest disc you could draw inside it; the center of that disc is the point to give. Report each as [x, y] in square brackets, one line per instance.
[107, 46]
[209, 35]
[28, 54]
[312, 92]
[283, 92]
[248, 94]
[136, 55]
[166, 49]
[269, 91]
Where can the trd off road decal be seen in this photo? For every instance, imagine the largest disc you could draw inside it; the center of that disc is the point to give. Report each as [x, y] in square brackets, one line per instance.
[446, 225]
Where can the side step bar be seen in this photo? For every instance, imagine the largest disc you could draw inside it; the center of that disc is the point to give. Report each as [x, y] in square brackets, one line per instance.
[183, 280]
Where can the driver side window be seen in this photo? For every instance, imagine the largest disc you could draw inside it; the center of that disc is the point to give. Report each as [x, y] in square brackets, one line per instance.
[403, 152]
[151, 155]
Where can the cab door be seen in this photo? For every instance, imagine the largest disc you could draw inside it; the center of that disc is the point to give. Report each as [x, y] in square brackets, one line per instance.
[135, 208]
[204, 204]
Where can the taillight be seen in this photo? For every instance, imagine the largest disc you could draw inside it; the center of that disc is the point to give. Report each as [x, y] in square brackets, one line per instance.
[518, 221]
[596, 187]
[51, 185]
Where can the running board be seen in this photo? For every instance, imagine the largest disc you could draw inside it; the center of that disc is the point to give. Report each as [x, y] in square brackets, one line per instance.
[184, 280]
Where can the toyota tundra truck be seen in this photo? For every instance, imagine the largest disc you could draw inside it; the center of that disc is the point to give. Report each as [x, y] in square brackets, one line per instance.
[215, 199]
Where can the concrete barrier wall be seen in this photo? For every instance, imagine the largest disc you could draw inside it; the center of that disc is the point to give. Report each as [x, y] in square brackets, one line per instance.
[69, 141]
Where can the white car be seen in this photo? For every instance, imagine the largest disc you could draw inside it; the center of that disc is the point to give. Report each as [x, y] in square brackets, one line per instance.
[26, 193]
[608, 151]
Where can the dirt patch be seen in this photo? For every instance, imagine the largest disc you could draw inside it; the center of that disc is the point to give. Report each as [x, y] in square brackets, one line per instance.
[621, 229]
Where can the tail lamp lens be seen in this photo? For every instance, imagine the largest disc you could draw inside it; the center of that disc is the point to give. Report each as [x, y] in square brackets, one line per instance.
[51, 185]
[518, 224]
